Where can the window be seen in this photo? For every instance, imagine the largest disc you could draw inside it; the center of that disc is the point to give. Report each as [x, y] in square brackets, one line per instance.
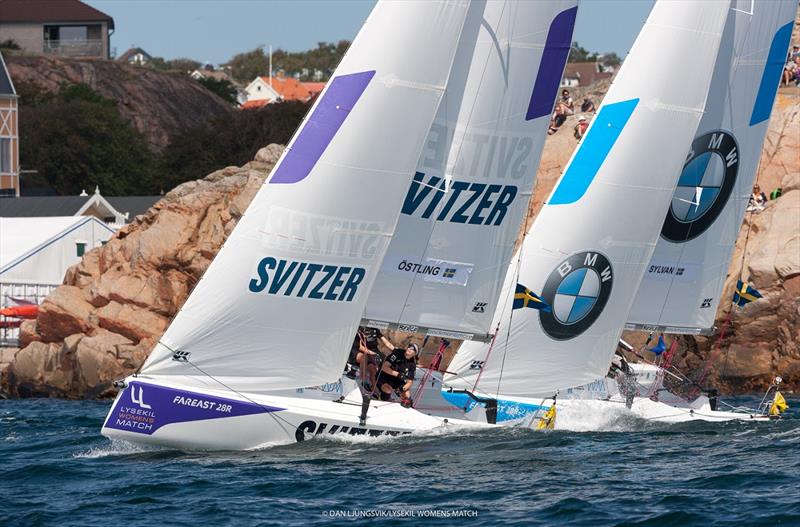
[81, 247]
[5, 155]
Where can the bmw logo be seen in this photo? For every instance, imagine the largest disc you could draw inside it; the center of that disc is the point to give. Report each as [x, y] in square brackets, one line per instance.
[704, 187]
[577, 291]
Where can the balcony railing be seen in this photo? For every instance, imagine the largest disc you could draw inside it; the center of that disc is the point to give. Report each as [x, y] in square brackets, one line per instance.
[74, 48]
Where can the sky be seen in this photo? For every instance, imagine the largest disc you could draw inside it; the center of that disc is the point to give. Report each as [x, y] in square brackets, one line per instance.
[214, 30]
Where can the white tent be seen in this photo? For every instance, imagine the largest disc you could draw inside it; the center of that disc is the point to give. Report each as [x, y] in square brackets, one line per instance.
[39, 251]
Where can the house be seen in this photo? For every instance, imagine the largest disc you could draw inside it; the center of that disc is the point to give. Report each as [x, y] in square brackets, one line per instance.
[266, 90]
[314, 88]
[39, 250]
[59, 27]
[9, 139]
[135, 57]
[35, 253]
[114, 211]
[581, 74]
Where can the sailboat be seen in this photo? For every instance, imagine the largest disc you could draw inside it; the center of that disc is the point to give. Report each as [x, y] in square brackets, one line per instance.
[681, 290]
[568, 292]
[255, 355]
[683, 281]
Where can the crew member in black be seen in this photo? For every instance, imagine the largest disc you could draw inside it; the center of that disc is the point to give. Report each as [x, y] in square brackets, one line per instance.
[397, 373]
[365, 353]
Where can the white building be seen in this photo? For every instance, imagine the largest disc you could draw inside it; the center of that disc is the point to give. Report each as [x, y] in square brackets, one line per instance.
[38, 251]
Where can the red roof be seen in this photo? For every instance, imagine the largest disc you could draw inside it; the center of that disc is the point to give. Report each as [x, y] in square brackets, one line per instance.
[289, 88]
[51, 11]
[250, 105]
[314, 87]
[586, 72]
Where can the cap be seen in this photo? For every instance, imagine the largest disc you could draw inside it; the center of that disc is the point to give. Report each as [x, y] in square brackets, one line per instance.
[414, 347]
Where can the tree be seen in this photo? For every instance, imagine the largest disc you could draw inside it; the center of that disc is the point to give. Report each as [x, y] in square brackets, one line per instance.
[247, 66]
[230, 140]
[9, 44]
[77, 140]
[221, 87]
[579, 54]
[610, 60]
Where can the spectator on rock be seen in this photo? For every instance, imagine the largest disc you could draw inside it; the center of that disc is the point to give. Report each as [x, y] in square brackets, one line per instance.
[559, 117]
[757, 201]
[580, 128]
[567, 102]
[790, 72]
[587, 106]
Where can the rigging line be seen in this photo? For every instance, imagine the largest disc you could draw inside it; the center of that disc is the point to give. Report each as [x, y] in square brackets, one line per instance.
[267, 410]
[444, 172]
[512, 292]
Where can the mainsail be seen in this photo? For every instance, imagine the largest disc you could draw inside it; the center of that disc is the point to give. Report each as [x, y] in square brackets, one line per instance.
[589, 246]
[681, 288]
[471, 187]
[279, 305]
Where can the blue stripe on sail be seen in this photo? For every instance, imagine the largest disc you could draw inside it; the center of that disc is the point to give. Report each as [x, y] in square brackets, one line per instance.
[772, 75]
[551, 67]
[593, 152]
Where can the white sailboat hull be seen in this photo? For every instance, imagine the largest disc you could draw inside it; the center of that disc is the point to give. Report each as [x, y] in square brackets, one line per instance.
[644, 408]
[174, 416]
[604, 395]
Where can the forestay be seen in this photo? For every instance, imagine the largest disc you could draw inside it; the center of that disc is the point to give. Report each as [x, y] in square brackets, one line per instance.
[279, 305]
[588, 247]
[471, 187]
[681, 288]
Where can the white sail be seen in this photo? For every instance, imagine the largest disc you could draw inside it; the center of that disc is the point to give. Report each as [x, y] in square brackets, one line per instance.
[280, 303]
[473, 182]
[588, 247]
[681, 289]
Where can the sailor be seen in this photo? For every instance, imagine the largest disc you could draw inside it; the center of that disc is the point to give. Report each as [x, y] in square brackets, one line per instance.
[626, 379]
[365, 355]
[397, 373]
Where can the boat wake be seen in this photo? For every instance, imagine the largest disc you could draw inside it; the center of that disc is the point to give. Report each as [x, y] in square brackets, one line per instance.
[115, 447]
[598, 416]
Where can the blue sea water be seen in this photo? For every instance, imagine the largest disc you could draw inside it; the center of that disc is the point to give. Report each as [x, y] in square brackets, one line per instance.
[55, 469]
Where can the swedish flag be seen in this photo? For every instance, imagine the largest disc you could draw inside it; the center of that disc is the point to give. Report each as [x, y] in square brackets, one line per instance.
[524, 297]
[744, 294]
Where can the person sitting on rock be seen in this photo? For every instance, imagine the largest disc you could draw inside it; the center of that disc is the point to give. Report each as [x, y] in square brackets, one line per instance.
[567, 102]
[559, 117]
[397, 374]
[757, 201]
[580, 128]
[587, 106]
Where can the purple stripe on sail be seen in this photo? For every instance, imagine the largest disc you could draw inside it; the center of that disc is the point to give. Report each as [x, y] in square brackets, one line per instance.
[329, 115]
[556, 51]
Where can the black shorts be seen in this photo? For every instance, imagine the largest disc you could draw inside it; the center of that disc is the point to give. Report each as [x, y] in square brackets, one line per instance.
[395, 382]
